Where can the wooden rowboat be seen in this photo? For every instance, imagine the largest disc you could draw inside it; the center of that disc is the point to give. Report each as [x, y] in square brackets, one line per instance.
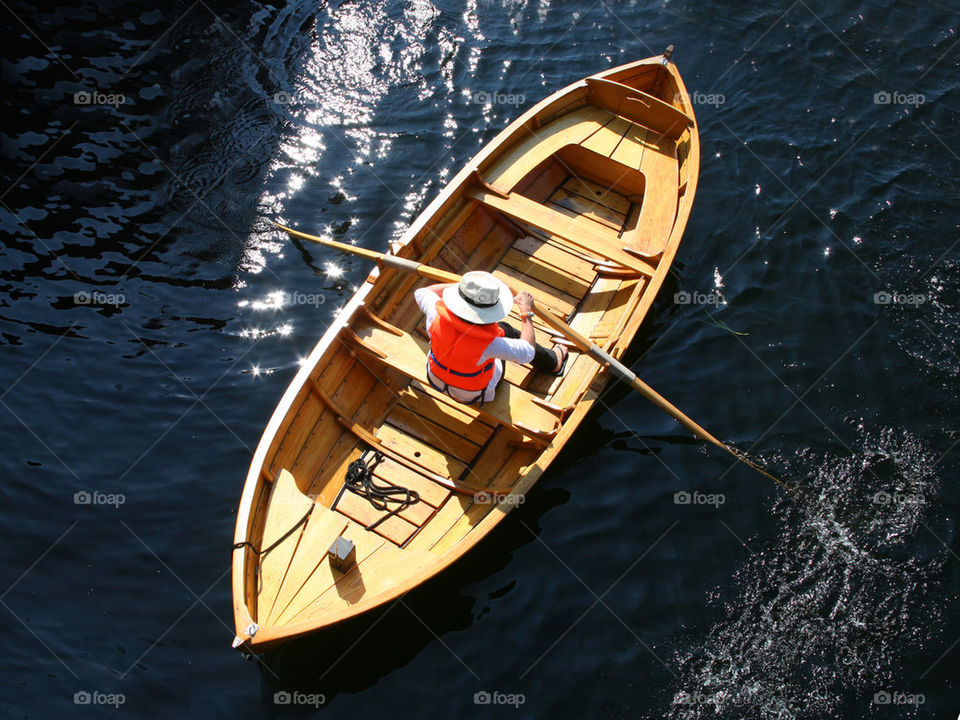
[583, 201]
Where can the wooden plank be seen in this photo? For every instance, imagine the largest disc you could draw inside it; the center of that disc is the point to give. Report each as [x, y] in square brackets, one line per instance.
[371, 410]
[545, 295]
[450, 440]
[496, 243]
[462, 525]
[430, 492]
[394, 528]
[645, 77]
[580, 369]
[440, 523]
[598, 193]
[422, 453]
[605, 140]
[581, 232]
[299, 423]
[559, 254]
[498, 462]
[552, 275]
[447, 414]
[499, 454]
[323, 527]
[659, 210]
[350, 393]
[631, 149]
[595, 305]
[573, 204]
[327, 485]
[318, 583]
[473, 230]
[418, 513]
[611, 317]
[392, 287]
[316, 448]
[540, 185]
[638, 106]
[286, 507]
[377, 572]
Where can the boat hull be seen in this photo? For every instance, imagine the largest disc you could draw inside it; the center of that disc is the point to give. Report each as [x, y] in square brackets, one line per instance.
[583, 199]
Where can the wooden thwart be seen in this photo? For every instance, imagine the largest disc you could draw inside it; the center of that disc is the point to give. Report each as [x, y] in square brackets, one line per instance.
[581, 232]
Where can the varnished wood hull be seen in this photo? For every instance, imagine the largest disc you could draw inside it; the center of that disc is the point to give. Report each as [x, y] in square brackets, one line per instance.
[583, 200]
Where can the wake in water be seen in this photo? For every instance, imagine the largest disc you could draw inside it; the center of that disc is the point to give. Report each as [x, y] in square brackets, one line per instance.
[847, 594]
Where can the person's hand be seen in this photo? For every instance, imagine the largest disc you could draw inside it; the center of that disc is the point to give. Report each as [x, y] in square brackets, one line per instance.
[524, 302]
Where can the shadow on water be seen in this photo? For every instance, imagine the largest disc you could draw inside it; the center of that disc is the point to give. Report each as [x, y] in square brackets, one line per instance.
[354, 655]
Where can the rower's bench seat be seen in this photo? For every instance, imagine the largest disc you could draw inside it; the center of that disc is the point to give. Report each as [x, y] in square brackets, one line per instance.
[512, 406]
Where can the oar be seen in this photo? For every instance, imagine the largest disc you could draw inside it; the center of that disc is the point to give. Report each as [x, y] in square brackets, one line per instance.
[604, 358]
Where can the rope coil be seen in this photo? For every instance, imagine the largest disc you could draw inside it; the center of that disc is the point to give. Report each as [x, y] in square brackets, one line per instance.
[361, 481]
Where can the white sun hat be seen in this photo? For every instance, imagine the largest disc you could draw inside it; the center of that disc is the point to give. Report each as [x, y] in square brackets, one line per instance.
[479, 298]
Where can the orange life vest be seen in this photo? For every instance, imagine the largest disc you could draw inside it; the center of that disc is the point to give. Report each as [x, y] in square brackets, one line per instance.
[456, 347]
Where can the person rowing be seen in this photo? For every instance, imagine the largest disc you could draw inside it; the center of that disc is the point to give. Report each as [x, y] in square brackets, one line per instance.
[469, 342]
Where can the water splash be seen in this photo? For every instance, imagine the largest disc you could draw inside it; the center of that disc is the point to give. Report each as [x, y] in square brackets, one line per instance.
[848, 588]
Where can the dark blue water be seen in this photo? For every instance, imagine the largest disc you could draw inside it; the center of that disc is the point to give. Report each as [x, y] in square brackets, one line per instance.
[145, 342]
